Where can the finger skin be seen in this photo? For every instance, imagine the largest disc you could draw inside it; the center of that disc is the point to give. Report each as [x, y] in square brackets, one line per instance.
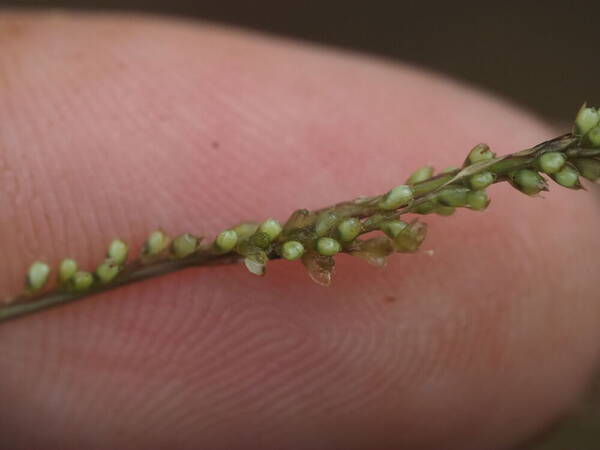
[114, 126]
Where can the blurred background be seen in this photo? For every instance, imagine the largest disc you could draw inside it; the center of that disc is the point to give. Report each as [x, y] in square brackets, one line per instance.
[542, 55]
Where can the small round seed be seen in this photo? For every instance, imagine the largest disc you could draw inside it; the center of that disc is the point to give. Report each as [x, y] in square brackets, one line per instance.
[481, 180]
[552, 162]
[117, 251]
[529, 182]
[107, 271]
[184, 245]
[480, 152]
[226, 240]
[567, 177]
[271, 227]
[587, 118]
[156, 243]
[478, 200]
[349, 229]
[37, 276]
[292, 250]
[82, 281]
[67, 269]
[328, 247]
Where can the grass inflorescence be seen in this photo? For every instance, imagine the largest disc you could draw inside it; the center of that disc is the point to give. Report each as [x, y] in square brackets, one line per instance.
[315, 237]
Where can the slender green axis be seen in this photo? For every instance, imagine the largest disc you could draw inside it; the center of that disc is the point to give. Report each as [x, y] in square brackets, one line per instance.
[315, 237]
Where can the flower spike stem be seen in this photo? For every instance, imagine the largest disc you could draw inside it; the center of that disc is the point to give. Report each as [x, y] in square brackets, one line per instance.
[315, 237]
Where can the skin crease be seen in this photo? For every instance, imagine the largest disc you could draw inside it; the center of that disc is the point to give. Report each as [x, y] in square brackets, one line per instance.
[114, 126]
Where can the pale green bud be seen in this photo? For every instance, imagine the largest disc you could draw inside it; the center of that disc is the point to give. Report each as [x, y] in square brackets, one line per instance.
[107, 271]
[594, 136]
[184, 245]
[421, 174]
[226, 240]
[396, 197]
[453, 196]
[552, 162]
[81, 281]
[587, 118]
[117, 251]
[271, 227]
[292, 250]
[478, 200]
[66, 270]
[349, 229]
[157, 242]
[481, 152]
[588, 168]
[393, 227]
[328, 247]
[481, 180]
[37, 276]
[325, 222]
[567, 177]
